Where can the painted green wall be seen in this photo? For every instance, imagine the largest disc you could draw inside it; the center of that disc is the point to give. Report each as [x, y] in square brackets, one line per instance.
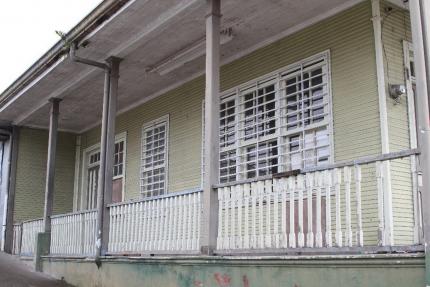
[348, 36]
[31, 173]
[377, 271]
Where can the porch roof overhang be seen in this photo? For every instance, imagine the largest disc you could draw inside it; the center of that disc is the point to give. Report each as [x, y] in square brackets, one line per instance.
[146, 34]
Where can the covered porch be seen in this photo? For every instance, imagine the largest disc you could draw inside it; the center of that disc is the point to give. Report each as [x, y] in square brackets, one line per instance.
[361, 190]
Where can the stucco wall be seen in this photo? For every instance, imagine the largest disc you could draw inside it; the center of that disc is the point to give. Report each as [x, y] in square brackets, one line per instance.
[377, 271]
[31, 174]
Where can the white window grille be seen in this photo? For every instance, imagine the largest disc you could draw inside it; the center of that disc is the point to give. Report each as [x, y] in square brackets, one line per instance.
[281, 122]
[153, 180]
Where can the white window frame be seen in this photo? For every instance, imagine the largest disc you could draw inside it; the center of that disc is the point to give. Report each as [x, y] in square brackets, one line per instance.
[275, 78]
[85, 157]
[164, 119]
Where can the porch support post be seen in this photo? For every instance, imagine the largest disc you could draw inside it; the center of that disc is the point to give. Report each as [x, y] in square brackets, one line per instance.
[13, 158]
[50, 166]
[104, 192]
[211, 140]
[420, 34]
[386, 236]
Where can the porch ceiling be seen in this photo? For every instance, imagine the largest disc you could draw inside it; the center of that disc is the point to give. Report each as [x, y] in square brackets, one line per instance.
[145, 33]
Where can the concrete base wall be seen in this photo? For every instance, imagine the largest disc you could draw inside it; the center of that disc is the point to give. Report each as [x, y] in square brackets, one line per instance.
[352, 271]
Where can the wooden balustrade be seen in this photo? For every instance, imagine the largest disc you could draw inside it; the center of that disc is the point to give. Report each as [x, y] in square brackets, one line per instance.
[317, 209]
[170, 224]
[74, 233]
[16, 244]
[30, 229]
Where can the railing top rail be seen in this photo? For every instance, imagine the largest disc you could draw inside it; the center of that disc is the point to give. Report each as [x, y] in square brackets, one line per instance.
[358, 161]
[171, 194]
[73, 213]
[31, 220]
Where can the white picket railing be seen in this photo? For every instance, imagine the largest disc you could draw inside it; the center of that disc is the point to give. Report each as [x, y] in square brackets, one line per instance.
[274, 213]
[168, 224]
[74, 233]
[30, 229]
[16, 244]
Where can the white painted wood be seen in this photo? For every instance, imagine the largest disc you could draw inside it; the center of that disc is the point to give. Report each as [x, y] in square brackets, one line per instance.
[276, 232]
[260, 192]
[227, 218]
[300, 236]
[337, 180]
[221, 223]
[309, 188]
[29, 232]
[17, 231]
[284, 236]
[267, 197]
[319, 184]
[246, 194]
[292, 234]
[254, 191]
[233, 193]
[328, 185]
[74, 233]
[359, 232]
[380, 188]
[240, 223]
[163, 224]
[347, 181]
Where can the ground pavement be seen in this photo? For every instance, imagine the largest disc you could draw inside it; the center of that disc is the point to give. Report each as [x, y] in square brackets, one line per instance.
[14, 273]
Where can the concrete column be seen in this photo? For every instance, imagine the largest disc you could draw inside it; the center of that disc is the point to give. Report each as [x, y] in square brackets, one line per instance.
[110, 148]
[421, 50]
[104, 192]
[211, 140]
[50, 166]
[13, 157]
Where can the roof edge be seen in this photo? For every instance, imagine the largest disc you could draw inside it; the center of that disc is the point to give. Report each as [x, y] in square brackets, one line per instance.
[95, 18]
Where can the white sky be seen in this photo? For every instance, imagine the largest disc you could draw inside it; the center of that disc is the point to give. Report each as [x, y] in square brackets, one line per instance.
[27, 31]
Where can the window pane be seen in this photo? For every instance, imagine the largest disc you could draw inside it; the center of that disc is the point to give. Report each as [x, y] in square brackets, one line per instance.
[153, 160]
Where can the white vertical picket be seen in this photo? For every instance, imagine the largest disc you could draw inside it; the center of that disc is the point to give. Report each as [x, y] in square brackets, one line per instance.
[300, 236]
[291, 190]
[337, 180]
[240, 223]
[276, 193]
[309, 188]
[359, 232]
[318, 237]
[246, 191]
[347, 181]
[328, 183]
[380, 187]
[254, 191]
[284, 235]
[233, 193]
[268, 190]
[260, 192]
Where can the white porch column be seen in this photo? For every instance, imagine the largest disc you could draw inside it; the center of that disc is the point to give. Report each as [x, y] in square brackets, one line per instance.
[420, 16]
[50, 166]
[211, 140]
[387, 236]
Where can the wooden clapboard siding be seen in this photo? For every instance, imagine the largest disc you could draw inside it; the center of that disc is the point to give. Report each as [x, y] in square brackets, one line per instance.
[396, 29]
[31, 174]
[348, 36]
